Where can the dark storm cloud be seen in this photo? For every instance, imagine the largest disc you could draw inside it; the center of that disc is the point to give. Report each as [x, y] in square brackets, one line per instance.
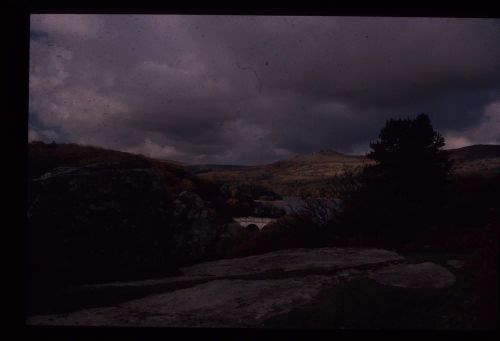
[236, 89]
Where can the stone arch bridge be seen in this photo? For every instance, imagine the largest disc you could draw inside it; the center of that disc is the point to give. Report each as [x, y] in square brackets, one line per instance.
[257, 221]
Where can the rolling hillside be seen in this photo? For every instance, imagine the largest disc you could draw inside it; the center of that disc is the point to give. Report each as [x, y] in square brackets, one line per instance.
[483, 159]
[305, 173]
[44, 157]
[292, 176]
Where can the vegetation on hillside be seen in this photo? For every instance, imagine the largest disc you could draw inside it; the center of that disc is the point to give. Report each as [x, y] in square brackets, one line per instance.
[303, 175]
[406, 199]
[45, 157]
[312, 175]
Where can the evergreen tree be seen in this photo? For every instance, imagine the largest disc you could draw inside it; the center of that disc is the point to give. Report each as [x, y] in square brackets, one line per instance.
[400, 195]
[409, 157]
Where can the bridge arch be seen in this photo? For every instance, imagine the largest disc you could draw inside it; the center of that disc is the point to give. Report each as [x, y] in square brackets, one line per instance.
[252, 227]
[252, 222]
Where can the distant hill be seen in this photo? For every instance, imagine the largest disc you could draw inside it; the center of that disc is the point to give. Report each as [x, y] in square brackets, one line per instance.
[479, 158]
[307, 173]
[291, 176]
[476, 152]
[44, 157]
[294, 176]
[198, 169]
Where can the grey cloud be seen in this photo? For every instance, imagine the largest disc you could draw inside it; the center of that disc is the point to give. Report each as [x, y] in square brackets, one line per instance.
[234, 89]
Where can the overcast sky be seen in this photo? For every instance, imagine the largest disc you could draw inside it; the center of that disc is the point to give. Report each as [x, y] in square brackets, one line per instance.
[256, 89]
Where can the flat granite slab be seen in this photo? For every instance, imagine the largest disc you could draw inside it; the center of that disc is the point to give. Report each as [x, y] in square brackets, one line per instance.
[284, 260]
[218, 303]
[222, 299]
[422, 275]
[294, 260]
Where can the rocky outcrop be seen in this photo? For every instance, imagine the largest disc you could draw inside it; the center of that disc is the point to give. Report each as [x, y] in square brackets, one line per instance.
[247, 292]
[295, 260]
[220, 303]
[194, 229]
[422, 275]
[112, 220]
